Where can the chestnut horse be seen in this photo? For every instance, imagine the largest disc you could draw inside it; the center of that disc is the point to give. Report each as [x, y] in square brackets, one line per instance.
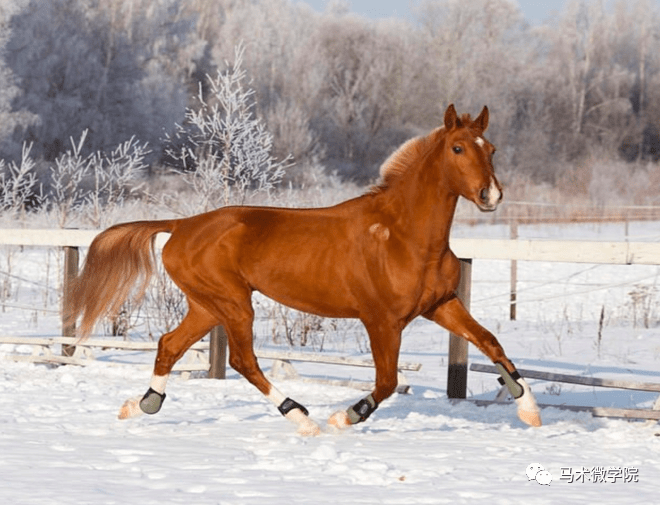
[383, 258]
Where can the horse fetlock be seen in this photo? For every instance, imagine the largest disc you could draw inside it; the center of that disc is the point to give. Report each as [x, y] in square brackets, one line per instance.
[353, 415]
[288, 405]
[530, 418]
[339, 420]
[152, 401]
[528, 411]
[361, 411]
[510, 380]
[306, 426]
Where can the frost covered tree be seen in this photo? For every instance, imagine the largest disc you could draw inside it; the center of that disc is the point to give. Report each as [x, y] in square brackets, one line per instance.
[223, 149]
[11, 120]
[369, 77]
[115, 67]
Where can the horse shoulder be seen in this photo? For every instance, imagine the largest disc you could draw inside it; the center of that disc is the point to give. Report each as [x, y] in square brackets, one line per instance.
[394, 268]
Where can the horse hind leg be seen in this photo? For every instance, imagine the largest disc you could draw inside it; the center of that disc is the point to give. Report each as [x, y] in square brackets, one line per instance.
[243, 360]
[237, 318]
[171, 347]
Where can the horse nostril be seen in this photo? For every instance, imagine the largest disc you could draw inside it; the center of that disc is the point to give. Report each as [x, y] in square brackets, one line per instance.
[483, 195]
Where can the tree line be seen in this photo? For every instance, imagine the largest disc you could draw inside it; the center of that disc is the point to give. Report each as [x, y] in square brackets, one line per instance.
[336, 90]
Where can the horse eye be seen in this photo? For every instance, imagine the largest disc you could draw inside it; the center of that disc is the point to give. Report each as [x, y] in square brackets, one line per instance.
[457, 149]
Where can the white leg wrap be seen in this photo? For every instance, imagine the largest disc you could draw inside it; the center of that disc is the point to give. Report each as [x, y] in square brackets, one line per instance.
[528, 410]
[158, 383]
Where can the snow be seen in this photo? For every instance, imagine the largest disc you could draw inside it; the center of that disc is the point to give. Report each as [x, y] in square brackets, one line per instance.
[222, 442]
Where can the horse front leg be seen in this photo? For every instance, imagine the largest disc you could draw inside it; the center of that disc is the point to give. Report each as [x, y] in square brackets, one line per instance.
[385, 340]
[453, 316]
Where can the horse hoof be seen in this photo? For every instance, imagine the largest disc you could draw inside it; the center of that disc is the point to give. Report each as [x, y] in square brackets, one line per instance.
[530, 418]
[306, 427]
[339, 420]
[309, 429]
[528, 410]
[130, 409]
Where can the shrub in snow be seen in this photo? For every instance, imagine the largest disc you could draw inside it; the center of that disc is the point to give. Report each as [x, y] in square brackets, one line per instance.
[222, 149]
[91, 185]
[18, 184]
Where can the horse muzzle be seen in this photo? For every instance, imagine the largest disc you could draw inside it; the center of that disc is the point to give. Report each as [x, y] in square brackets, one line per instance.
[489, 197]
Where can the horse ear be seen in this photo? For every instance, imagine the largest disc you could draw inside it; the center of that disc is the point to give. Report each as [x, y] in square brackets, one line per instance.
[482, 121]
[451, 118]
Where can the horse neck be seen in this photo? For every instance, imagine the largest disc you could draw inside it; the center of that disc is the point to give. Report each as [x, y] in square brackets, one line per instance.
[424, 205]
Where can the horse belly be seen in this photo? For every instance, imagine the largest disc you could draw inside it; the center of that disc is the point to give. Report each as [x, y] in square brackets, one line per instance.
[309, 279]
[319, 297]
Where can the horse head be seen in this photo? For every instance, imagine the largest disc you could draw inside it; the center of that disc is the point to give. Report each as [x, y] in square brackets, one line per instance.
[467, 159]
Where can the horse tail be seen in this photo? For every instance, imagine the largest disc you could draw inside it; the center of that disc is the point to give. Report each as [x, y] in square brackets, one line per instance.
[118, 259]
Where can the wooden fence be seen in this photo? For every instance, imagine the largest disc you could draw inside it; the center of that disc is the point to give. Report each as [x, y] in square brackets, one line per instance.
[594, 252]
[565, 251]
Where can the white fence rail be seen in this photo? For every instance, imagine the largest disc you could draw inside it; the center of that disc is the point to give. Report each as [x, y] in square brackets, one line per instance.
[569, 251]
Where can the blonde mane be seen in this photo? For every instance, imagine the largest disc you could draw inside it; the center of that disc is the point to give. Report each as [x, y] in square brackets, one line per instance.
[396, 165]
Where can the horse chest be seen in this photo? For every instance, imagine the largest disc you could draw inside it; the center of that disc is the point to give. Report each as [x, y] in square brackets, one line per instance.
[408, 285]
[439, 281]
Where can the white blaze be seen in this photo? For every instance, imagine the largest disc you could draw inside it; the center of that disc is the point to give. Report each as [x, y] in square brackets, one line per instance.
[494, 194]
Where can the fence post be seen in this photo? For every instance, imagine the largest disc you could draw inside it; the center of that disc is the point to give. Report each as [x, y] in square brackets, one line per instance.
[457, 369]
[71, 259]
[218, 353]
[514, 276]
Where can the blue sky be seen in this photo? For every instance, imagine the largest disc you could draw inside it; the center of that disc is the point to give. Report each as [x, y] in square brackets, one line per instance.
[534, 10]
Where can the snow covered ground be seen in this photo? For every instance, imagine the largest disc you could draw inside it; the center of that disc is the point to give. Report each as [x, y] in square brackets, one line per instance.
[220, 442]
